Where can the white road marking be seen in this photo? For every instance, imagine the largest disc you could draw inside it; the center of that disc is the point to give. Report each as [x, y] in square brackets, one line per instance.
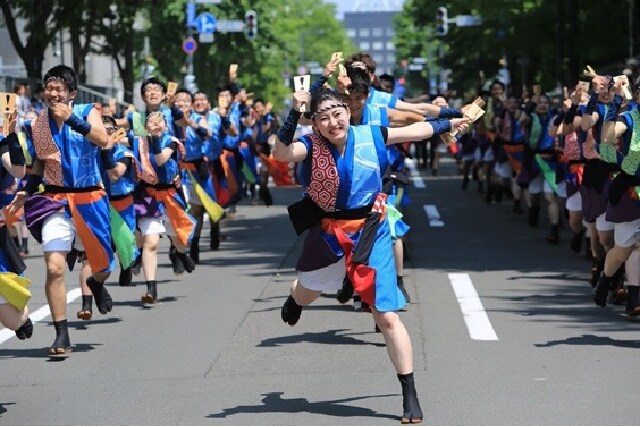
[433, 215]
[40, 314]
[472, 309]
[417, 180]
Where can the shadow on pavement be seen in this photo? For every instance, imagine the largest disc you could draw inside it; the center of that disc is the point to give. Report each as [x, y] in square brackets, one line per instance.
[592, 340]
[274, 403]
[42, 353]
[333, 337]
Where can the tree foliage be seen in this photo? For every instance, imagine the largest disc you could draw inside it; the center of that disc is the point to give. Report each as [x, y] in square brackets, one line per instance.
[544, 42]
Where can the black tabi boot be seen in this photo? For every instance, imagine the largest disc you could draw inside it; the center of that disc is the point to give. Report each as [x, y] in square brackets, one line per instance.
[490, 191]
[596, 270]
[602, 290]
[100, 295]
[633, 302]
[194, 250]
[151, 297]
[290, 311]
[346, 292]
[554, 235]
[126, 277]
[534, 216]
[26, 330]
[60, 347]
[517, 207]
[184, 259]
[86, 312]
[137, 264]
[576, 241]
[411, 411]
[214, 242]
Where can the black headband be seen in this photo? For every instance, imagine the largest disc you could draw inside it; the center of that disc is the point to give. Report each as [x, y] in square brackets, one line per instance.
[330, 107]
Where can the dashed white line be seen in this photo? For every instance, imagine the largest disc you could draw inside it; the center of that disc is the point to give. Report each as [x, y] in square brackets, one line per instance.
[433, 215]
[473, 312]
[417, 180]
[40, 314]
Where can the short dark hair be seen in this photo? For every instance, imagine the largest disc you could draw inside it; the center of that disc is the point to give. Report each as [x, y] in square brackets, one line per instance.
[183, 90]
[365, 58]
[388, 78]
[200, 92]
[497, 82]
[152, 81]
[360, 80]
[64, 73]
[108, 120]
[326, 94]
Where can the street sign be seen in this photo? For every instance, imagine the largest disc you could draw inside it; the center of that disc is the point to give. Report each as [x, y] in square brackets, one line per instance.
[205, 38]
[468, 20]
[191, 14]
[205, 23]
[230, 26]
[420, 60]
[415, 67]
[208, 1]
[189, 45]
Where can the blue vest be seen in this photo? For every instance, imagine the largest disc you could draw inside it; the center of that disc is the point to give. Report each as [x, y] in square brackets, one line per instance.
[381, 99]
[231, 142]
[193, 143]
[126, 183]
[213, 145]
[374, 116]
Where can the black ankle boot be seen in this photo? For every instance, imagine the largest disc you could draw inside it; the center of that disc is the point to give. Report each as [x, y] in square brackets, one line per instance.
[402, 289]
[633, 302]
[554, 235]
[291, 311]
[101, 295]
[517, 207]
[411, 411]
[184, 259]
[346, 292]
[214, 242]
[596, 270]
[534, 216]
[602, 290]
[576, 241]
[86, 312]
[60, 346]
[194, 250]
[126, 277]
[151, 297]
[26, 330]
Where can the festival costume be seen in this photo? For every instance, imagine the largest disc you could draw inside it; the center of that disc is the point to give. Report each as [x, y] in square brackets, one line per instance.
[345, 213]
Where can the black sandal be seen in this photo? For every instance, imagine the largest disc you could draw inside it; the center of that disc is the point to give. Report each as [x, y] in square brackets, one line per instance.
[61, 346]
[87, 310]
[101, 295]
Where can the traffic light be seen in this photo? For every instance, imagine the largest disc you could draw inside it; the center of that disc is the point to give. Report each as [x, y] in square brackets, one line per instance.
[442, 21]
[251, 24]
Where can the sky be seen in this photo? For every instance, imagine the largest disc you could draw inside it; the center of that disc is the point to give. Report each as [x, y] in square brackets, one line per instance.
[348, 5]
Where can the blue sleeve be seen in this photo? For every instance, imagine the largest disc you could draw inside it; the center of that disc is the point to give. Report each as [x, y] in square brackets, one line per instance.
[381, 148]
[392, 101]
[384, 117]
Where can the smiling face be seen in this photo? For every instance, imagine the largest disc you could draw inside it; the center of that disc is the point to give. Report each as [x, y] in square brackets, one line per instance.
[153, 95]
[332, 123]
[56, 91]
[183, 101]
[200, 103]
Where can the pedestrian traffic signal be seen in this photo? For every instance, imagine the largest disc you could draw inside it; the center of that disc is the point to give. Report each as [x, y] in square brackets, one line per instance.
[251, 24]
[442, 21]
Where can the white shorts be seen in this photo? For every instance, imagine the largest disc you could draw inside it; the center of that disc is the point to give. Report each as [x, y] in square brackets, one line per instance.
[160, 225]
[325, 279]
[191, 195]
[602, 224]
[539, 184]
[626, 234]
[58, 234]
[574, 203]
[503, 169]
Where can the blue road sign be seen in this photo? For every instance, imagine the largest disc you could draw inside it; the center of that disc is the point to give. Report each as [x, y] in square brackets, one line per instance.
[191, 14]
[205, 23]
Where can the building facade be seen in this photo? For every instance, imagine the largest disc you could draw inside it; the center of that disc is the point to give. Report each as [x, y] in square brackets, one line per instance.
[373, 32]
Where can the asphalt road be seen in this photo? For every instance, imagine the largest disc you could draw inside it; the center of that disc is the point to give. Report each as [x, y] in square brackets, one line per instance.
[534, 349]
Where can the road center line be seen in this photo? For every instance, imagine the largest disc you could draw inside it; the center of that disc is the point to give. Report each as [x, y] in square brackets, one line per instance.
[40, 314]
[433, 215]
[417, 180]
[472, 309]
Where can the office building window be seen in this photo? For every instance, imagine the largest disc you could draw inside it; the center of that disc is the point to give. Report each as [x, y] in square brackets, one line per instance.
[378, 58]
[376, 46]
[351, 32]
[391, 58]
[376, 32]
[390, 46]
[390, 32]
[364, 32]
[365, 46]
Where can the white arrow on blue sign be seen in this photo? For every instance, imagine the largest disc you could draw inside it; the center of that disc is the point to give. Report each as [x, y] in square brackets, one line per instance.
[205, 23]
